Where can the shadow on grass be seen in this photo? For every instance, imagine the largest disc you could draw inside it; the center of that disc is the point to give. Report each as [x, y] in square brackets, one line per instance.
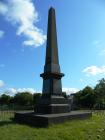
[14, 122]
[7, 122]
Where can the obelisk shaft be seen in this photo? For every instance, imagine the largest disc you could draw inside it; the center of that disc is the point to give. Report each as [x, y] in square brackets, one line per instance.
[52, 76]
[52, 61]
[52, 46]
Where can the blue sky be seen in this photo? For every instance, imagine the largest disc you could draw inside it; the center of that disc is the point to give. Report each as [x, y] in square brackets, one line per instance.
[81, 43]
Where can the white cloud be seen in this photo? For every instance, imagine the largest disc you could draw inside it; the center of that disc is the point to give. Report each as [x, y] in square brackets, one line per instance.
[13, 91]
[3, 8]
[1, 33]
[1, 83]
[94, 70]
[31, 90]
[69, 90]
[23, 15]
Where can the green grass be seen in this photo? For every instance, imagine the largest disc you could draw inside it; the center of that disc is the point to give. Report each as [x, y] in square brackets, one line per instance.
[90, 129]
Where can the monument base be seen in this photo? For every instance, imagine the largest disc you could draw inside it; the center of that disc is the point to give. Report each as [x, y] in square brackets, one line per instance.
[43, 120]
[52, 104]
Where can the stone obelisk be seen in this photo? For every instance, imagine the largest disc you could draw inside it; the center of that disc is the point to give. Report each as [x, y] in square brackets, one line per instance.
[52, 107]
[52, 76]
[52, 100]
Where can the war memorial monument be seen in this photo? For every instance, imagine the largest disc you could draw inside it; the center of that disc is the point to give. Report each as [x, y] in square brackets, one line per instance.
[52, 107]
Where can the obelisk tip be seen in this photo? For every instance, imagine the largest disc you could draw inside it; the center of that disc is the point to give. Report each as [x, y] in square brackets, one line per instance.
[51, 9]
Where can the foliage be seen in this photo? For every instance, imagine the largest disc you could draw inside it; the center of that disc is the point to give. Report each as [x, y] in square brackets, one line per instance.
[85, 97]
[100, 94]
[5, 99]
[24, 98]
[19, 100]
[64, 95]
[36, 97]
[92, 98]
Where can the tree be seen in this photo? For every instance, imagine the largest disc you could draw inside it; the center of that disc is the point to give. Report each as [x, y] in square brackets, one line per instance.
[64, 95]
[23, 98]
[36, 97]
[99, 91]
[88, 97]
[4, 99]
[78, 98]
[85, 97]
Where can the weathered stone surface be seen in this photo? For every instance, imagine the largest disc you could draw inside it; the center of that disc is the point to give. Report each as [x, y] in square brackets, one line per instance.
[43, 120]
[52, 104]
[52, 75]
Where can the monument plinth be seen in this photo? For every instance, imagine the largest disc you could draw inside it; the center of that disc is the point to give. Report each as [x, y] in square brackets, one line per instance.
[52, 106]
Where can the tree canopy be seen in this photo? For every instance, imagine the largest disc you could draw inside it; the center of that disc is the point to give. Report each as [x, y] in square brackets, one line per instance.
[87, 98]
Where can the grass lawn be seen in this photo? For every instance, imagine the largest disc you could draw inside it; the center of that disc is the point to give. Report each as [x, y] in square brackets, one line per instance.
[90, 129]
